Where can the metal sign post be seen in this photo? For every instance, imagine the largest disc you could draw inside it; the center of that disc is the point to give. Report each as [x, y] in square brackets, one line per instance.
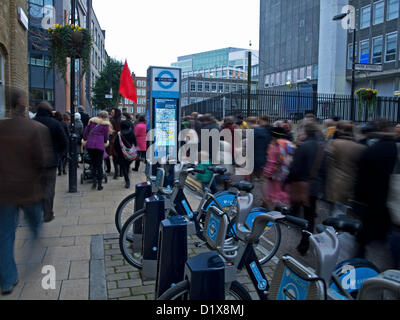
[164, 111]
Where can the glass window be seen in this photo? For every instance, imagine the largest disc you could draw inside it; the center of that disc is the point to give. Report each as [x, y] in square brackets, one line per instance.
[392, 9]
[214, 87]
[233, 88]
[37, 60]
[365, 17]
[377, 47]
[379, 12]
[391, 47]
[220, 88]
[199, 86]
[192, 86]
[350, 56]
[227, 88]
[36, 94]
[364, 51]
[207, 87]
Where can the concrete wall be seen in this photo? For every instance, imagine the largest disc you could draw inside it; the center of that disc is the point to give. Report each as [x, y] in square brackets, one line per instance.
[332, 50]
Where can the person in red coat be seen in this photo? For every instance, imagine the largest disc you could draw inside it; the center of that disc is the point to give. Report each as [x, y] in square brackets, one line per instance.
[141, 134]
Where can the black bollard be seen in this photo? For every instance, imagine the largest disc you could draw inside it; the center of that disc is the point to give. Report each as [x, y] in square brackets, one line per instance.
[206, 273]
[154, 214]
[172, 255]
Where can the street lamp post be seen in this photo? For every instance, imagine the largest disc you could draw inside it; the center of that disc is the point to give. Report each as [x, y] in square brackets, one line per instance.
[353, 64]
[73, 166]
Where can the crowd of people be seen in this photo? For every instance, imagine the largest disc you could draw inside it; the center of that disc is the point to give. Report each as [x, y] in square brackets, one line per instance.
[355, 169]
[350, 167]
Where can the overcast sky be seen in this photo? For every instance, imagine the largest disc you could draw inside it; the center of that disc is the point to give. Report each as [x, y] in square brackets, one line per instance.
[156, 32]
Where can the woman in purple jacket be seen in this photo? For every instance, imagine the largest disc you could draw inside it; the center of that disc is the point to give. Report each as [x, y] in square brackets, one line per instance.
[95, 138]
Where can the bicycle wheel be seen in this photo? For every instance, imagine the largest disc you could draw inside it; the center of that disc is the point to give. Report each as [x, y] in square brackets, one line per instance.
[268, 244]
[130, 240]
[125, 209]
[181, 292]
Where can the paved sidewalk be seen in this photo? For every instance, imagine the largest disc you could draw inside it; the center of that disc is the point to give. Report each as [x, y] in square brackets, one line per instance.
[124, 282]
[82, 246]
[65, 243]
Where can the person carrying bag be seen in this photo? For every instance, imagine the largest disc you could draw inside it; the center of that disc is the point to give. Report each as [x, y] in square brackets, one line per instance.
[126, 149]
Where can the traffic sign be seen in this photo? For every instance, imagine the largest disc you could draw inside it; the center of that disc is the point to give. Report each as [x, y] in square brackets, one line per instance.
[369, 67]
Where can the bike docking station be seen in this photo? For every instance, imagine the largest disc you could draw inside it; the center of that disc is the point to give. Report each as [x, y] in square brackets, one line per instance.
[173, 253]
[163, 116]
[154, 214]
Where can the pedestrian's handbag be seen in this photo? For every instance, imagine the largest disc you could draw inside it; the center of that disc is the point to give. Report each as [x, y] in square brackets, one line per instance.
[130, 153]
[300, 190]
[393, 202]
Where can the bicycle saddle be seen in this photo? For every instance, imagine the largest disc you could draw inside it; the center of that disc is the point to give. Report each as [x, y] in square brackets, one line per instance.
[218, 170]
[344, 224]
[243, 186]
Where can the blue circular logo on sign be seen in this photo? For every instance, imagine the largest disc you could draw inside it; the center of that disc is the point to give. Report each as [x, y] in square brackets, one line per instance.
[166, 80]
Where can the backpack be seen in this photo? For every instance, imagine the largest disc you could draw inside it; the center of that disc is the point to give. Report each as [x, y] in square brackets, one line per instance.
[393, 202]
[130, 153]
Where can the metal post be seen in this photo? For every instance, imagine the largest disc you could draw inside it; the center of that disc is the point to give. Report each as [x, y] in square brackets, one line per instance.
[73, 175]
[249, 86]
[353, 80]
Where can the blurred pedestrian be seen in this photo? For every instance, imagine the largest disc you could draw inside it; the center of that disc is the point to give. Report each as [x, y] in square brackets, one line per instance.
[96, 140]
[22, 164]
[377, 165]
[140, 133]
[60, 147]
[115, 120]
[398, 129]
[79, 132]
[125, 139]
[62, 163]
[276, 170]
[84, 116]
[343, 156]
[306, 177]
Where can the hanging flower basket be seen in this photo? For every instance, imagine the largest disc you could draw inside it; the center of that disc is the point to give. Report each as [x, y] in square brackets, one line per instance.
[70, 41]
[367, 97]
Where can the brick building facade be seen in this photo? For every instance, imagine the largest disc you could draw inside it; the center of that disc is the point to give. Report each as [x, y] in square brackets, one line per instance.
[13, 49]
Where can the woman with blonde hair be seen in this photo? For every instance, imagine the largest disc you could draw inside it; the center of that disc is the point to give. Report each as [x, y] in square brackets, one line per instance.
[96, 139]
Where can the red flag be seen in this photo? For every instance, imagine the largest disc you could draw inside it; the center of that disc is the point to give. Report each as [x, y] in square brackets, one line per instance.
[127, 87]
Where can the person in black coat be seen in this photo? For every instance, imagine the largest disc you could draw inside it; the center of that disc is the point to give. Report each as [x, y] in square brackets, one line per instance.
[309, 156]
[60, 146]
[372, 189]
[84, 117]
[262, 140]
[62, 163]
[128, 139]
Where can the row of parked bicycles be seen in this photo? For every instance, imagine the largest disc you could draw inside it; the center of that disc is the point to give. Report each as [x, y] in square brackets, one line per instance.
[241, 236]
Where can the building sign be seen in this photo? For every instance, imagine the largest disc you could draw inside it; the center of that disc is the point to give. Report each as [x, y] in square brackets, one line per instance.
[166, 83]
[368, 67]
[23, 18]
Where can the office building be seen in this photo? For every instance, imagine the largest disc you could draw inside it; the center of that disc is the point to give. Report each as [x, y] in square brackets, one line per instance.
[377, 42]
[141, 92]
[13, 50]
[44, 82]
[195, 89]
[227, 63]
[99, 54]
[289, 43]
